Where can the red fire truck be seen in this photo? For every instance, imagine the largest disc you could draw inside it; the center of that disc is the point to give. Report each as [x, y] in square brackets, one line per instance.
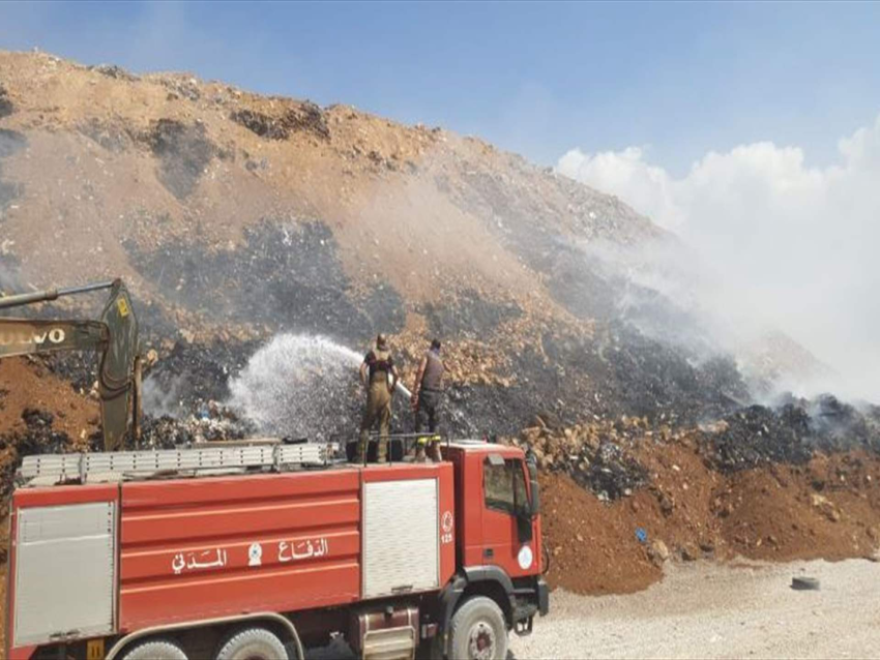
[259, 550]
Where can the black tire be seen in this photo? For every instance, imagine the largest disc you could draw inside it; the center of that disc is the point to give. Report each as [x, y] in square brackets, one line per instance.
[155, 649]
[252, 644]
[804, 584]
[478, 631]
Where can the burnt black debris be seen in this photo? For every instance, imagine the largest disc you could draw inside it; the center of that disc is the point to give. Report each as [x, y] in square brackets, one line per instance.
[596, 455]
[182, 86]
[10, 143]
[287, 275]
[260, 124]
[756, 436]
[470, 317]
[271, 128]
[9, 273]
[212, 423]
[193, 374]
[6, 107]
[308, 118]
[184, 152]
[112, 137]
[790, 433]
[165, 432]
[39, 436]
[607, 471]
[114, 71]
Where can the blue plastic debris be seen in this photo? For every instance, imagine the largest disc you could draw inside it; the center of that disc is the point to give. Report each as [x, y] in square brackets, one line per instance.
[641, 535]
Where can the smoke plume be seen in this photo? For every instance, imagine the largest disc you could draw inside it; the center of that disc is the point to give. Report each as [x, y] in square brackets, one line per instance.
[788, 246]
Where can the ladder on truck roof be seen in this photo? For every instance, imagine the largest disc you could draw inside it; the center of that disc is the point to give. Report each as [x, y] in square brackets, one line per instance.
[104, 467]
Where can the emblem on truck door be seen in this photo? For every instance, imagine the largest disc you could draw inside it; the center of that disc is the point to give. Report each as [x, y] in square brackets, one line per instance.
[446, 524]
[525, 557]
[255, 555]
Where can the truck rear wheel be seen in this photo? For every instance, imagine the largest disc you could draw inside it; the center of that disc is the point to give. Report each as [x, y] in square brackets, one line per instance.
[478, 631]
[252, 644]
[155, 649]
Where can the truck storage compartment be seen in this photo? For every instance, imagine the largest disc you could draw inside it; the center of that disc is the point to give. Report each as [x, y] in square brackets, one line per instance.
[401, 530]
[65, 579]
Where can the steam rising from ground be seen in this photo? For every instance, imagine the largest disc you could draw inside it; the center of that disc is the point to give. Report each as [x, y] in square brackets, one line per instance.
[300, 386]
[794, 247]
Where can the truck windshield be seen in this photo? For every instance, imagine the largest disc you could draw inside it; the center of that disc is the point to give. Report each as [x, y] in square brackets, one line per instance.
[504, 486]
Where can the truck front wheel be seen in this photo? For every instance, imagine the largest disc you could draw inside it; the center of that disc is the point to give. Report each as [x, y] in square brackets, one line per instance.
[252, 644]
[478, 631]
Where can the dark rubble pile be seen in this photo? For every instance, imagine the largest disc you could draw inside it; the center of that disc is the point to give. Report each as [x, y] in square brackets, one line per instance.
[839, 426]
[211, 424]
[6, 107]
[39, 436]
[789, 433]
[758, 435]
[595, 455]
[192, 375]
[308, 118]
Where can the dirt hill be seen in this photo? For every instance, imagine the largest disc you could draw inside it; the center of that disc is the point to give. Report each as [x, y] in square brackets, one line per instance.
[235, 217]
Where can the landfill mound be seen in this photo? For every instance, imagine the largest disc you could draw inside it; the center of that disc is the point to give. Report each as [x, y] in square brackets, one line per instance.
[235, 218]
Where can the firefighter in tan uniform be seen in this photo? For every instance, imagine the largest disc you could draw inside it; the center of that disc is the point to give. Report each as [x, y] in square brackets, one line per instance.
[379, 376]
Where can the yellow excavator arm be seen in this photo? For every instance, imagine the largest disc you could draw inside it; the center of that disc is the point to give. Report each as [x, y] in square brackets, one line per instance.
[114, 337]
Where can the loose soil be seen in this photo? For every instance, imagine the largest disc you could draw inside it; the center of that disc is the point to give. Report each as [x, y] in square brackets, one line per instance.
[828, 509]
[29, 384]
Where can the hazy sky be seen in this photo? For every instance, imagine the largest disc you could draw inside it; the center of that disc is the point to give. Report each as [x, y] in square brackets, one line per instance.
[677, 80]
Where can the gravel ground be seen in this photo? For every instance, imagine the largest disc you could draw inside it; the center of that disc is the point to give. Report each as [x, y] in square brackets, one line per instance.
[706, 610]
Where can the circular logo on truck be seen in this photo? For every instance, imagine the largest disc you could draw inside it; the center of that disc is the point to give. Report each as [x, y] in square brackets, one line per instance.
[447, 521]
[525, 557]
[446, 524]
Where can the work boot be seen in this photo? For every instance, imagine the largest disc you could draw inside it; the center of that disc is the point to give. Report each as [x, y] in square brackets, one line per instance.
[362, 446]
[435, 451]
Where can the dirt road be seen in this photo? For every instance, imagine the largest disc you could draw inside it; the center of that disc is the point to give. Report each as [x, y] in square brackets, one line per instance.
[711, 611]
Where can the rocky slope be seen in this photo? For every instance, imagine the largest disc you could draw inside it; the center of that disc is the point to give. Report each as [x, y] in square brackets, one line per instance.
[235, 217]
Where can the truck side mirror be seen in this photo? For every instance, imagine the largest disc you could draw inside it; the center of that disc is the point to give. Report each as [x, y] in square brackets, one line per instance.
[534, 489]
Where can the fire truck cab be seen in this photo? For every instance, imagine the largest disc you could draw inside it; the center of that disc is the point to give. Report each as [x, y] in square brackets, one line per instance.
[260, 551]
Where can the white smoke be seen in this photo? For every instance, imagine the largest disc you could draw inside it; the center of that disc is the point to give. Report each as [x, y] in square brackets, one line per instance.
[795, 246]
[161, 399]
[300, 386]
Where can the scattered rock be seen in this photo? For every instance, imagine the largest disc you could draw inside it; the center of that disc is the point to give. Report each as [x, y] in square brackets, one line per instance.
[689, 553]
[114, 71]
[658, 550]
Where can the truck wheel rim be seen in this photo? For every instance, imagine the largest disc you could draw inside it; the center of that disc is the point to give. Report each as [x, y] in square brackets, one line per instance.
[481, 641]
